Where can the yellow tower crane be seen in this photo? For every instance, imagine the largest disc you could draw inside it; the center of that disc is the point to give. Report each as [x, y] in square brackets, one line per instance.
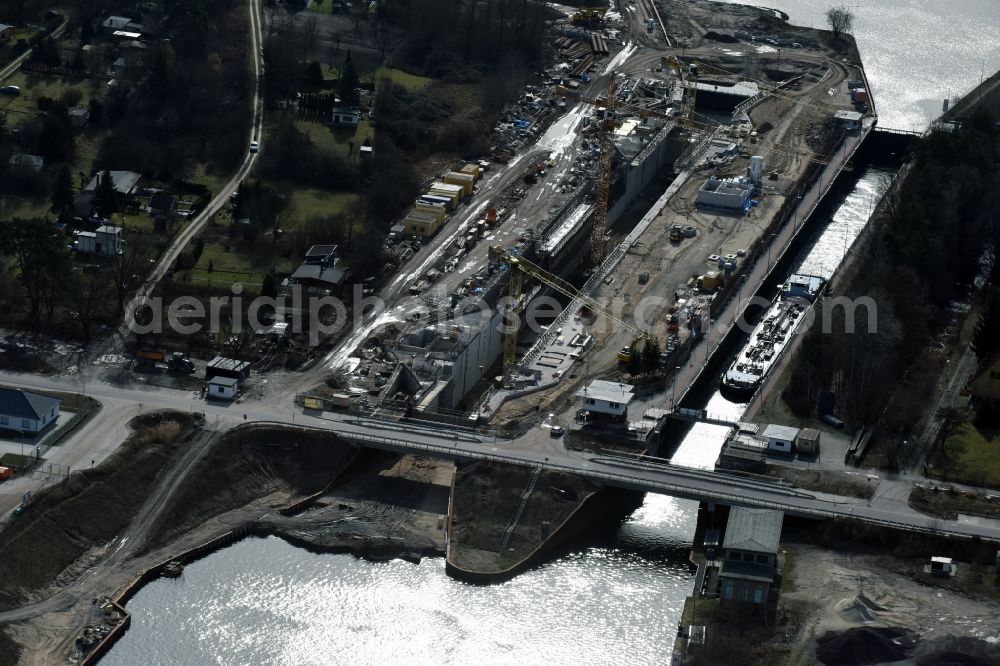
[520, 267]
[604, 175]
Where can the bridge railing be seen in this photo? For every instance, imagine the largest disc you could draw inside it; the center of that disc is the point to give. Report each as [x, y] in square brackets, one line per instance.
[451, 450]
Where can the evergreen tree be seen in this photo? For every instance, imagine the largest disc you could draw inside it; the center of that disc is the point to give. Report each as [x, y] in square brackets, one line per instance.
[270, 286]
[62, 192]
[105, 196]
[650, 356]
[349, 82]
[986, 336]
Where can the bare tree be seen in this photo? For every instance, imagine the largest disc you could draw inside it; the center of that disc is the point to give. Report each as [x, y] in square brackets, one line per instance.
[841, 20]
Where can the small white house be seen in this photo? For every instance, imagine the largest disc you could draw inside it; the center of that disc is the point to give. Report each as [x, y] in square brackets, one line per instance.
[107, 241]
[780, 439]
[604, 397]
[25, 411]
[850, 120]
[222, 388]
[345, 116]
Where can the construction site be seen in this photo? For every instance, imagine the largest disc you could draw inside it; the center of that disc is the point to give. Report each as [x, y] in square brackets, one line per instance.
[641, 210]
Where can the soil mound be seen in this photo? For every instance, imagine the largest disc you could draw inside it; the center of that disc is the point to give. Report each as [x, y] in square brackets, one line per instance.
[954, 658]
[860, 645]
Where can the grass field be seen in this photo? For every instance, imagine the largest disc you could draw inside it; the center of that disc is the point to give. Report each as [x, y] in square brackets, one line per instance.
[970, 456]
[334, 140]
[33, 86]
[221, 266]
[310, 203]
[411, 82]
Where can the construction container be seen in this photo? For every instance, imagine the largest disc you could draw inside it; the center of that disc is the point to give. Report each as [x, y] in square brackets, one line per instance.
[437, 211]
[710, 281]
[491, 216]
[441, 188]
[5, 473]
[859, 96]
[421, 224]
[473, 170]
[464, 180]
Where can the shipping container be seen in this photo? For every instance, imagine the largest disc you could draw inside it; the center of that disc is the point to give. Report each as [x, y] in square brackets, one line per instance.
[5, 473]
[491, 216]
[435, 200]
[421, 224]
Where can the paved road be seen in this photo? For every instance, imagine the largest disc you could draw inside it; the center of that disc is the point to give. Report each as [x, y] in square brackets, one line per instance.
[13, 66]
[222, 197]
[466, 444]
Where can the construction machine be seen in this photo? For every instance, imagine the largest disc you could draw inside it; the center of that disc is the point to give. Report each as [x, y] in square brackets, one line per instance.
[521, 267]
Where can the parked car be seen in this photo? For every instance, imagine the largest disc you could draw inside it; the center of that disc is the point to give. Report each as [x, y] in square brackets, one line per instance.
[832, 420]
[254, 146]
[557, 431]
[10, 91]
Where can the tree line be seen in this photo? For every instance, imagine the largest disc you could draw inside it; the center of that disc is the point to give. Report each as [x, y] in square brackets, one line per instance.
[938, 226]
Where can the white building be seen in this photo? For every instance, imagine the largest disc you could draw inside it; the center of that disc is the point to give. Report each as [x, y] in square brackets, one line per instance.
[107, 241]
[780, 439]
[729, 194]
[604, 397]
[222, 388]
[850, 120]
[345, 116]
[25, 411]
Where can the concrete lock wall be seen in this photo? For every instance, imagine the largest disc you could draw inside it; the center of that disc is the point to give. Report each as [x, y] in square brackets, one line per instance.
[641, 172]
[483, 351]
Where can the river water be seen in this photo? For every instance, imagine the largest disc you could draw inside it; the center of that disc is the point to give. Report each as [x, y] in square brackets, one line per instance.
[617, 600]
[915, 52]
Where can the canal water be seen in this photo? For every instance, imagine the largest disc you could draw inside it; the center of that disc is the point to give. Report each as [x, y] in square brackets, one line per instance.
[615, 600]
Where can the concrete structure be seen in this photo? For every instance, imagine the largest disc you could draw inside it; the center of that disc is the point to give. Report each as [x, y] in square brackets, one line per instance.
[780, 439]
[24, 411]
[742, 451]
[604, 397]
[345, 116]
[107, 241]
[750, 555]
[807, 442]
[222, 388]
[850, 120]
[232, 368]
[728, 194]
[985, 384]
[450, 359]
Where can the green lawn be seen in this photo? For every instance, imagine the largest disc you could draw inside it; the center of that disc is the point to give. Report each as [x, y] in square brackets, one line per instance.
[334, 140]
[213, 181]
[229, 265]
[412, 82]
[309, 203]
[35, 85]
[969, 457]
